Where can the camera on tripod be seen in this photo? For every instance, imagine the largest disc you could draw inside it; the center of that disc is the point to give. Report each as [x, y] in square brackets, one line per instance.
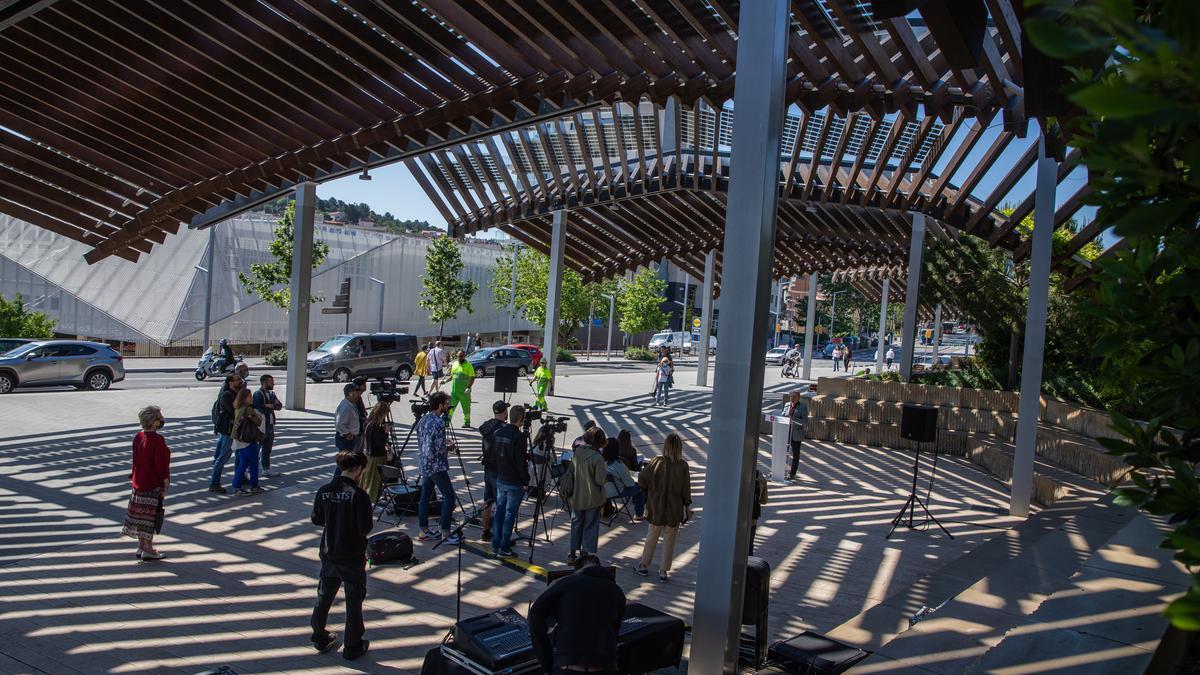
[420, 406]
[556, 425]
[385, 390]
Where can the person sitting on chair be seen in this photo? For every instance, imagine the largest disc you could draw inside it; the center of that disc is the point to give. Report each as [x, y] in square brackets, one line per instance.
[587, 606]
[623, 483]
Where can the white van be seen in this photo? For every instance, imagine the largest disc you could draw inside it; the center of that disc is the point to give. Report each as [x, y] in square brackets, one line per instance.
[679, 340]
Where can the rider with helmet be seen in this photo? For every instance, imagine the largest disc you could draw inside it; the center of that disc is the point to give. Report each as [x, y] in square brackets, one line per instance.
[225, 358]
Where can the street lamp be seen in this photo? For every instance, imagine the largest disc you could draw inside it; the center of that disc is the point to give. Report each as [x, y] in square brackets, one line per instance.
[512, 293]
[382, 291]
[612, 301]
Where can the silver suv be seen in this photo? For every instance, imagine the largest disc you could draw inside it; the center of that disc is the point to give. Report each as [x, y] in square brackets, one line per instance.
[83, 365]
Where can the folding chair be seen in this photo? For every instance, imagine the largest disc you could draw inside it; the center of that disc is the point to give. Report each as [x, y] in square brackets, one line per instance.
[614, 497]
[393, 493]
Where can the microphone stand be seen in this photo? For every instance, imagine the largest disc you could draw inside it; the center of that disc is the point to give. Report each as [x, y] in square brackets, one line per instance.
[458, 580]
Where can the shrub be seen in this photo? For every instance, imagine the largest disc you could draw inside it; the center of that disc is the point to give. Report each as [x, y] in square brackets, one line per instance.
[640, 354]
[276, 357]
[563, 356]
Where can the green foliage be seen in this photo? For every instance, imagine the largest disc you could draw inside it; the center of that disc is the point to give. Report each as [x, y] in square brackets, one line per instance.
[1140, 135]
[356, 212]
[639, 354]
[971, 375]
[563, 356]
[533, 279]
[276, 357]
[444, 291]
[266, 278]
[640, 303]
[17, 321]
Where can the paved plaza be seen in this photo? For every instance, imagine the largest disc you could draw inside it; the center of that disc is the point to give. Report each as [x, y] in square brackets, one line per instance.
[237, 586]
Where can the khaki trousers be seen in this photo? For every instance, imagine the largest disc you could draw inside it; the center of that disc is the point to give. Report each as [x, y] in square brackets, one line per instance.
[668, 536]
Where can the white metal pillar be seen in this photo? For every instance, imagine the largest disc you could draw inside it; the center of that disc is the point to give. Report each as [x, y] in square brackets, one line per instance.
[612, 307]
[301, 291]
[883, 303]
[778, 312]
[212, 251]
[512, 292]
[809, 324]
[558, 240]
[706, 309]
[738, 384]
[937, 333]
[1035, 332]
[382, 295]
[916, 249]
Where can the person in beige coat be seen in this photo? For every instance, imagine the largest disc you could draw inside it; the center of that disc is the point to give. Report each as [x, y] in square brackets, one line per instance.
[668, 491]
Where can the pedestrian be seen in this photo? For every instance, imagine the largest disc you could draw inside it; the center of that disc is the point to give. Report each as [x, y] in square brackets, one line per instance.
[837, 357]
[361, 404]
[478, 342]
[541, 379]
[437, 362]
[662, 389]
[470, 343]
[590, 474]
[846, 358]
[243, 371]
[622, 483]
[462, 376]
[247, 434]
[266, 403]
[378, 448]
[434, 449]
[668, 491]
[222, 417]
[487, 432]
[586, 607]
[626, 450]
[346, 421]
[421, 370]
[760, 498]
[512, 479]
[581, 439]
[797, 413]
[150, 477]
[889, 356]
[343, 509]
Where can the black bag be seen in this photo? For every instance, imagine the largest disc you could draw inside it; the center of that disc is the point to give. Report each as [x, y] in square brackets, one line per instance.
[389, 547]
[247, 431]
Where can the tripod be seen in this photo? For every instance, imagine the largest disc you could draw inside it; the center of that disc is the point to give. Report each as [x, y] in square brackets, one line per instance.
[541, 470]
[914, 501]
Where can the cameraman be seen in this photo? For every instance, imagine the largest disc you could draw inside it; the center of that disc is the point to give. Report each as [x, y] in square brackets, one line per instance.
[512, 478]
[435, 467]
[486, 432]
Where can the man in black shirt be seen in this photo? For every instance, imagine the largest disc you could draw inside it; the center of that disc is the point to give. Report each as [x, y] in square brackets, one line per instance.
[486, 430]
[509, 451]
[588, 606]
[344, 510]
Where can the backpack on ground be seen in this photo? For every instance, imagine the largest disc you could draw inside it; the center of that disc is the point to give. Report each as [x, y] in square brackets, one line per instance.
[389, 547]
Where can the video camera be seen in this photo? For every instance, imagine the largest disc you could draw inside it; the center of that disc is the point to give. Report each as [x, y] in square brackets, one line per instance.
[420, 406]
[385, 390]
[557, 425]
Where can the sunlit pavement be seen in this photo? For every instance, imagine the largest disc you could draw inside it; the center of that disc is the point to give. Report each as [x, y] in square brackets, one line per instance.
[237, 586]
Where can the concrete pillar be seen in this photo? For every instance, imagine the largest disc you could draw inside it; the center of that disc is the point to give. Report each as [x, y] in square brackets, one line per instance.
[883, 303]
[738, 384]
[301, 291]
[706, 308]
[1035, 332]
[916, 249]
[558, 241]
[208, 288]
[809, 323]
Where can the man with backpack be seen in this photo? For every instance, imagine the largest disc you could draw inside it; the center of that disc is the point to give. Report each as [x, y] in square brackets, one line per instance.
[487, 432]
[343, 509]
[222, 418]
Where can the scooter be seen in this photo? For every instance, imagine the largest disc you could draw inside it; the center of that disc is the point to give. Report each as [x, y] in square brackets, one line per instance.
[207, 365]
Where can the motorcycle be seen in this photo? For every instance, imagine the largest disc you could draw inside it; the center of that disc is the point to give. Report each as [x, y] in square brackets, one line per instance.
[206, 367]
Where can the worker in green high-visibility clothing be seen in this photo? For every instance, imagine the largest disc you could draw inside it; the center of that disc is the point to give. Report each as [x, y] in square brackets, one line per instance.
[541, 382]
[462, 376]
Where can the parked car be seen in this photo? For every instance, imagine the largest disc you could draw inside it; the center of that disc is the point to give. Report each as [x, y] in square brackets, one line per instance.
[534, 353]
[489, 359]
[42, 363]
[345, 357]
[775, 356]
[9, 344]
[671, 339]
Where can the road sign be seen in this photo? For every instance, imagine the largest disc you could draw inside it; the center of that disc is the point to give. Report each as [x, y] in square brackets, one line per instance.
[336, 310]
[696, 322]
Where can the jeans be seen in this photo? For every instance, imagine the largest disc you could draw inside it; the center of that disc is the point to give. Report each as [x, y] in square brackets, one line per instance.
[442, 480]
[247, 460]
[508, 501]
[639, 499]
[836, 362]
[220, 456]
[662, 393]
[585, 530]
[668, 535]
[420, 386]
[265, 450]
[333, 575]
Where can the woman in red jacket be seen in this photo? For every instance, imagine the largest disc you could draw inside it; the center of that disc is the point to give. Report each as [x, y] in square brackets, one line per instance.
[150, 476]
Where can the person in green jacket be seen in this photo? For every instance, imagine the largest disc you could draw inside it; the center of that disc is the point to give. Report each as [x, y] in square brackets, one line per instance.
[462, 376]
[588, 497]
[541, 382]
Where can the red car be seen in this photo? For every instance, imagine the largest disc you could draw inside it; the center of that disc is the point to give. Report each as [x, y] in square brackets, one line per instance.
[534, 352]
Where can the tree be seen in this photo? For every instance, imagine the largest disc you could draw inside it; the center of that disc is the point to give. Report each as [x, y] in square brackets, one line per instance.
[444, 291]
[266, 278]
[639, 303]
[17, 321]
[533, 278]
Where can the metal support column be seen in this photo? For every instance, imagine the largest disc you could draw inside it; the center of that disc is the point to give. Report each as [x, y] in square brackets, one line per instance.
[382, 295]
[778, 312]
[1035, 332]
[883, 303]
[809, 325]
[558, 241]
[706, 309]
[916, 249]
[301, 291]
[212, 251]
[937, 334]
[612, 310]
[512, 292]
[738, 384]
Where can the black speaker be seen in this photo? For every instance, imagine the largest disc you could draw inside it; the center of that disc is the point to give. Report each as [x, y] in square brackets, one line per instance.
[919, 423]
[811, 652]
[506, 379]
[758, 590]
